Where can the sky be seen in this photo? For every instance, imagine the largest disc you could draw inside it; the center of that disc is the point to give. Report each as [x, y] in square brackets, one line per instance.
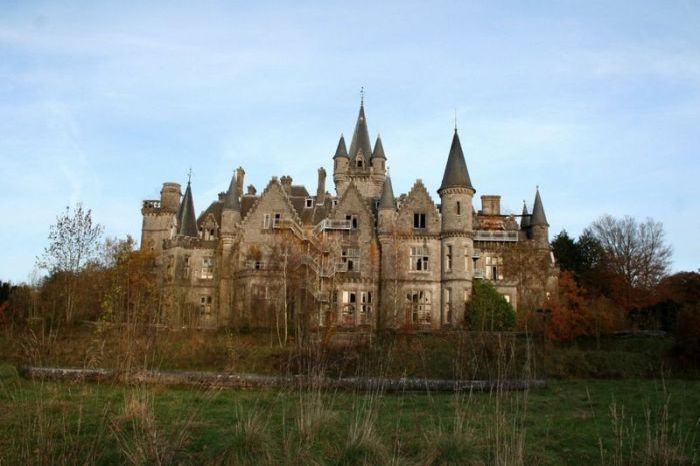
[595, 102]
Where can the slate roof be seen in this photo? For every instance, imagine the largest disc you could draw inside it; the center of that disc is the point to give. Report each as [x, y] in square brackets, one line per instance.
[387, 201]
[360, 137]
[525, 219]
[538, 217]
[231, 200]
[341, 151]
[456, 173]
[378, 149]
[187, 225]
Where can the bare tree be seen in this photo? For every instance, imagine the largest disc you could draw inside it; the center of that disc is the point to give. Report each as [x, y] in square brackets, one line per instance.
[635, 251]
[73, 242]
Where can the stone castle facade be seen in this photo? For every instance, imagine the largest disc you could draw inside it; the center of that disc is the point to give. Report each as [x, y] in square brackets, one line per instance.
[360, 258]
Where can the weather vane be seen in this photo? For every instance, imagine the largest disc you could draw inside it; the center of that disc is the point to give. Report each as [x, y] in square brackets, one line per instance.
[362, 95]
[189, 175]
[455, 120]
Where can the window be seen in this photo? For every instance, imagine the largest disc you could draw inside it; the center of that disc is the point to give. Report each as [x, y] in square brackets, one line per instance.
[309, 203]
[507, 297]
[419, 307]
[448, 258]
[360, 161]
[207, 268]
[354, 221]
[459, 208]
[493, 269]
[350, 258]
[347, 312]
[447, 311]
[205, 304]
[418, 220]
[271, 220]
[186, 268]
[467, 259]
[365, 307]
[419, 258]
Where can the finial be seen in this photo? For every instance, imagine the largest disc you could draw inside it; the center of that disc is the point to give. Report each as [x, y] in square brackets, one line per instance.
[362, 96]
[189, 175]
[455, 120]
[537, 187]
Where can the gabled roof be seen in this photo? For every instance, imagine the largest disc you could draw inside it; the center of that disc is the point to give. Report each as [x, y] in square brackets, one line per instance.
[187, 225]
[456, 173]
[525, 219]
[360, 137]
[352, 190]
[538, 217]
[341, 151]
[387, 201]
[231, 201]
[378, 149]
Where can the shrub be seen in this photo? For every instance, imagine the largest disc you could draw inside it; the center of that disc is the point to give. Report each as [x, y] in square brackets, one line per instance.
[488, 309]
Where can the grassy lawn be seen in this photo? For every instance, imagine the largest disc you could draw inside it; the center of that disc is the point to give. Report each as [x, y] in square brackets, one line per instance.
[570, 422]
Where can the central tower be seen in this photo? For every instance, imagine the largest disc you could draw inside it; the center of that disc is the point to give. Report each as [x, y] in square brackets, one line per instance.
[361, 165]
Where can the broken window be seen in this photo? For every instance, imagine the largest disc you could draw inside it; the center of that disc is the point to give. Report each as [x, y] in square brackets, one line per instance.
[418, 220]
[205, 304]
[419, 258]
[353, 221]
[207, 268]
[493, 269]
[350, 258]
[459, 208]
[419, 307]
[309, 203]
[348, 308]
[186, 267]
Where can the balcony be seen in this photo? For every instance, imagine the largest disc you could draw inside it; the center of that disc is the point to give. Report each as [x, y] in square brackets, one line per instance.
[476, 254]
[479, 274]
[330, 224]
[496, 236]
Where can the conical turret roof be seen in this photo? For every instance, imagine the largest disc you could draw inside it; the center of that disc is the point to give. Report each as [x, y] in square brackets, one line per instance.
[360, 137]
[456, 173]
[188, 221]
[231, 201]
[387, 201]
[378, 152]
[538, 217]
[525, 218]
[341, 151]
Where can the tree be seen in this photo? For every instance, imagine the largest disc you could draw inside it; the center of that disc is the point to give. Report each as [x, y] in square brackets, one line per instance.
[73, 242]
[488, 309]
[635, 252]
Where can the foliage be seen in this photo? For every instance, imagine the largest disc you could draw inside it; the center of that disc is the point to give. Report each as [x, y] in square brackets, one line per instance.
[635, 251]
[487, 309]
[73, 243]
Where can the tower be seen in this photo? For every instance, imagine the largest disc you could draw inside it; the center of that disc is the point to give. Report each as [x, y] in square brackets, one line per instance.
[538, 222]
[360, 164]
[456, 193]
[159, 218]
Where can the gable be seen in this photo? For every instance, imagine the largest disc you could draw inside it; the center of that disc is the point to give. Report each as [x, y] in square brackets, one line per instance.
[418, 201]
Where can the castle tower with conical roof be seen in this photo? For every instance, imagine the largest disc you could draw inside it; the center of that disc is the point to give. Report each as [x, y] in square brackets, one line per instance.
[360, 164]
[456, 194]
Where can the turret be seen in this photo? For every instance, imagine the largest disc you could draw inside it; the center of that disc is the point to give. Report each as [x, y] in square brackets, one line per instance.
[525, 218]
[231, 212]
[187, 220]
[538, 222]
[378, 160]
[387, 207]
[160, 218]
[340, 166]
[456, 191]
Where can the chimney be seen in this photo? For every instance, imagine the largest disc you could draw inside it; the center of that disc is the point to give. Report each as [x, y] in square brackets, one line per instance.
[251, 190]
[286, 184]
[170, 196]
[321, 190]
[240, 174]
[490, 204]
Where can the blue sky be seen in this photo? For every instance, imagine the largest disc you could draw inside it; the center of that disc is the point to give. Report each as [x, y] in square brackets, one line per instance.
[598, 103]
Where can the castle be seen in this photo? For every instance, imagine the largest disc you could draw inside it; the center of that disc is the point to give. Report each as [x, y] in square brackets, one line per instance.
[360, 258]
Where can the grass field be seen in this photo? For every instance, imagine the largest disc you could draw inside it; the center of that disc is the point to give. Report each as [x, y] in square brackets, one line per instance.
[570, 422]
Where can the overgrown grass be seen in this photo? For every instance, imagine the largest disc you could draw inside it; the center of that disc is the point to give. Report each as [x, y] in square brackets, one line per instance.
[571, 422]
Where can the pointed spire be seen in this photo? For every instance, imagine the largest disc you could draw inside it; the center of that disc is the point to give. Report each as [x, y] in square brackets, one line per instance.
[456, 174]
[387, 201]
[538, 217]
[378, 152]
[525, 218]
[187, 221]
[231, 201]
[341, 151]
[360, 137]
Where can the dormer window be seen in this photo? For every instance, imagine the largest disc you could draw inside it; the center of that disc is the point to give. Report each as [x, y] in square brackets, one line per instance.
[353, 221]
[360, 162]
[309, 203]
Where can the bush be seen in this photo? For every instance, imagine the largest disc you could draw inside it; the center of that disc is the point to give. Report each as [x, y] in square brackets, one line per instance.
[488, 309]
